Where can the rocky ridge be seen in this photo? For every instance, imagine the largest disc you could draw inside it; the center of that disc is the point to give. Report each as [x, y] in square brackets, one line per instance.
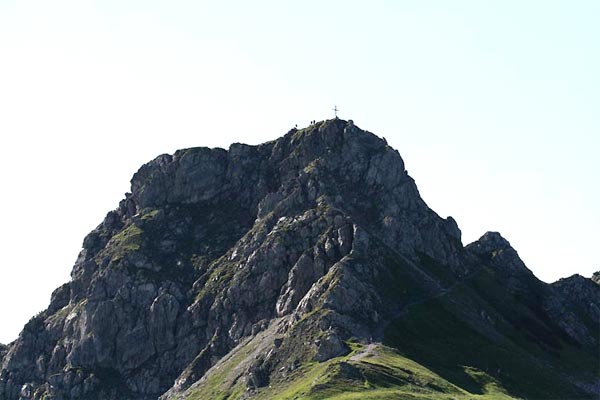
[270, 258]
[583, 292]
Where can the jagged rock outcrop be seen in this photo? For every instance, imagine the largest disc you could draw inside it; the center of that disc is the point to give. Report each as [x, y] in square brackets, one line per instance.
[583, 292]
[596, 277]
[492, 248]
[578, 295]
[275, 256]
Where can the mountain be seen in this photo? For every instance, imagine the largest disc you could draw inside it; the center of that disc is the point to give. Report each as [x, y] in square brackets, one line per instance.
[306, 267]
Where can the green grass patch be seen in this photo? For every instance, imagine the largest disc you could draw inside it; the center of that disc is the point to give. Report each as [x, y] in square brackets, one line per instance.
[218, 278]
[384, 374]
[149, 215]
[127, 240]
[220, 383]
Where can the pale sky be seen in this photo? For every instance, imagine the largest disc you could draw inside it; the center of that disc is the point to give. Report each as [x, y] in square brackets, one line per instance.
[494, 106]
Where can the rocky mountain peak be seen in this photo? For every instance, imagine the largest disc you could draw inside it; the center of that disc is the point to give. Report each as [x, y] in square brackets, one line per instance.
[497, 251]
[330, 162]
[237, 271]
[201, 174]
[491, 241]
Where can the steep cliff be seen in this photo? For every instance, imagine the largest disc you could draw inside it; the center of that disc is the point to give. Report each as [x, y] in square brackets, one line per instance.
[306, 267]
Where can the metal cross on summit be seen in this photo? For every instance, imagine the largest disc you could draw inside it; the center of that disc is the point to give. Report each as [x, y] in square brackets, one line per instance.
[335, 110]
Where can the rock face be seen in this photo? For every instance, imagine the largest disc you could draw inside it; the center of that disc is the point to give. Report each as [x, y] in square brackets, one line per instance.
[290, 248]
[596, 277]
[583, 293]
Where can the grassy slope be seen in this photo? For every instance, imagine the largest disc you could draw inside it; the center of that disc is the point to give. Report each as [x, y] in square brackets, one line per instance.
[384, 374]
[381, 374]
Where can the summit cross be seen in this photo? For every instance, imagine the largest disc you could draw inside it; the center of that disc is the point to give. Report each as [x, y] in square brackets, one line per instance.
[335, 111]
